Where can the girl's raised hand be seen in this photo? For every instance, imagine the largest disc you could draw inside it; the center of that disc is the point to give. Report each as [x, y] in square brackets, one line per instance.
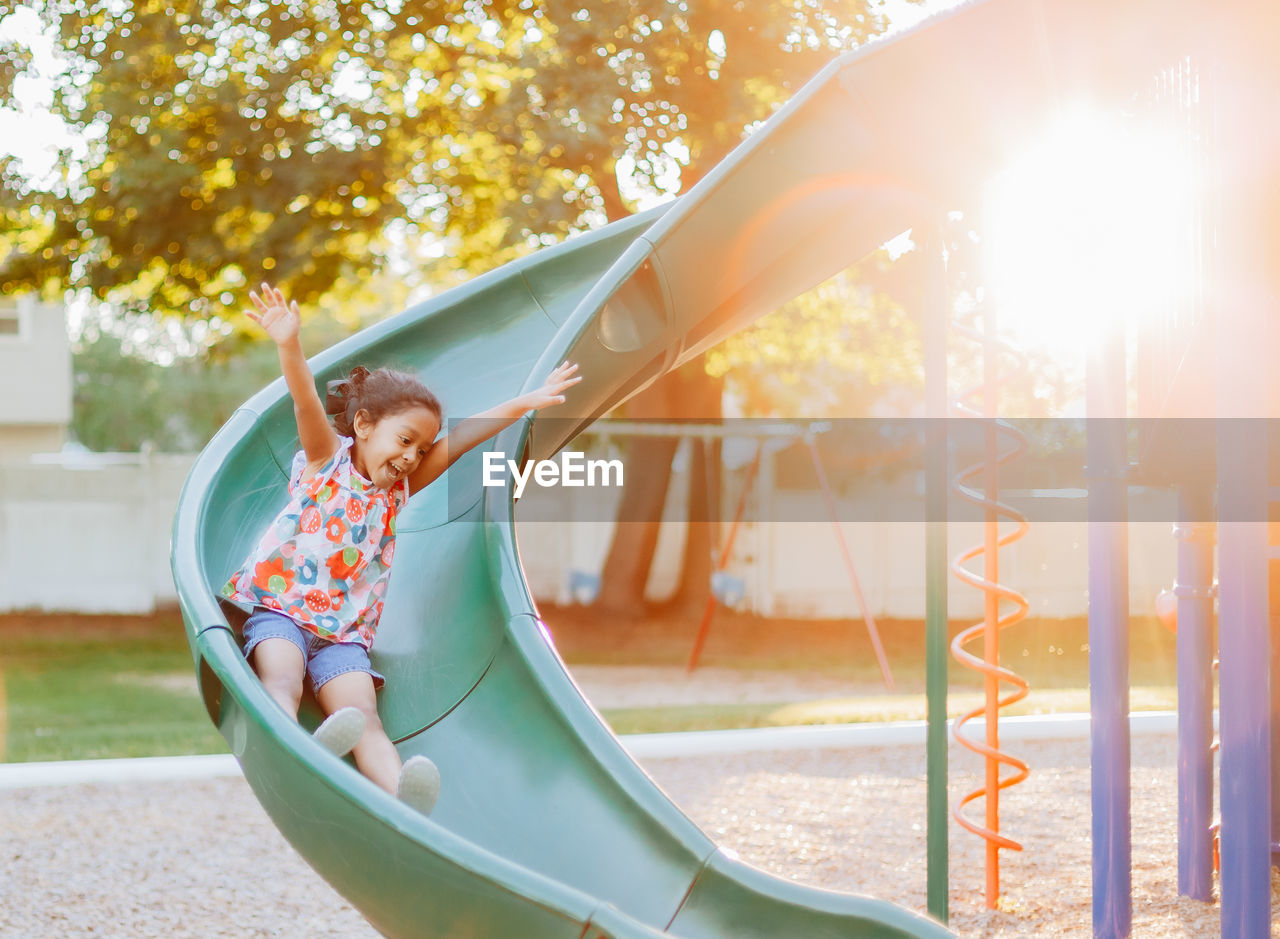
[552, 390]
[279, 319]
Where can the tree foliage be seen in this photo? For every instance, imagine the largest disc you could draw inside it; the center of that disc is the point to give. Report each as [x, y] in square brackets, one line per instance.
[309, 142]
[832, 351]
[124, 399]
[228, 139]
[646, 79]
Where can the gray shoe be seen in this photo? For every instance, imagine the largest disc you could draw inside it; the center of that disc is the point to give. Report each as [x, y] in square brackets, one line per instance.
[419, 784]
[341, 731]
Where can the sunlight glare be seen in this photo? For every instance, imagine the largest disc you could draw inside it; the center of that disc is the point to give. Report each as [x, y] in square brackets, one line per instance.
[1089, 227]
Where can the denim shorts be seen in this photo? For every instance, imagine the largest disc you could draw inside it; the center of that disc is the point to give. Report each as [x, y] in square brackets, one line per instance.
[325, 659]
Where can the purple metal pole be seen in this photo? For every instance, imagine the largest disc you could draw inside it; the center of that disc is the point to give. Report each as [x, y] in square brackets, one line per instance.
[1243, 687]
[1109, 638]
[1273, 596]
[1194, 591]
[1246, 295]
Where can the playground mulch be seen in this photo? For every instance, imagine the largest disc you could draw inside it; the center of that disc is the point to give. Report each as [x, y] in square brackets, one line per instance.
[854, 820]
[202, 859]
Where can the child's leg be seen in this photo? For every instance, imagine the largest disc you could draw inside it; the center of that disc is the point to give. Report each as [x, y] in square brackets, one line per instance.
[280, 664]
[375, 754]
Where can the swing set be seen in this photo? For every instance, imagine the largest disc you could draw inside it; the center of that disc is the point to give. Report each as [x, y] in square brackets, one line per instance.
[723, 587]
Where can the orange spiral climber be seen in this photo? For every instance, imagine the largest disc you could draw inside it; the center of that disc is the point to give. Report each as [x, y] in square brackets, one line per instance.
[996, 594]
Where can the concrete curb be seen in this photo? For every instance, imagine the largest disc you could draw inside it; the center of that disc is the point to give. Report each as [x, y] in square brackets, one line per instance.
[891, 734]
[141, 769]
[640, 746]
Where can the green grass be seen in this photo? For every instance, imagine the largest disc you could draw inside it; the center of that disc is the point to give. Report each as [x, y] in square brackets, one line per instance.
[858, 710]
[68, 692]
[98, 687]
[1049, 653]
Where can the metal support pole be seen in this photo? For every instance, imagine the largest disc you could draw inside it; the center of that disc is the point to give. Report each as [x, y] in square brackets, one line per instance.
[1194, 590]
[1109, 639]
[936, 571]
[1246, 243]
[1273, 598]
[1243, 687]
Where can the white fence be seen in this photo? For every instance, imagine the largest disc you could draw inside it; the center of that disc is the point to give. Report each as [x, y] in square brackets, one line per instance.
[88, 534]
[796, 569]
[91, 534]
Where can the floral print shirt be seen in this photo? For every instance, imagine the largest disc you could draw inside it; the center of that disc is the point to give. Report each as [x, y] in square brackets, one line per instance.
[326, 558]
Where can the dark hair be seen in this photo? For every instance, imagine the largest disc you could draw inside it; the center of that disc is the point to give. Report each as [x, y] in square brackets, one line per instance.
[378, 393]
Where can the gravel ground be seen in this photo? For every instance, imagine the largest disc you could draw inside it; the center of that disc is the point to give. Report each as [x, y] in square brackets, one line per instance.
[157, 859]
[855, 820]
[202, 859]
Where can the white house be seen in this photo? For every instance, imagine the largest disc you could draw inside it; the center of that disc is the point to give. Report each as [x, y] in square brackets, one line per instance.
[35, 377]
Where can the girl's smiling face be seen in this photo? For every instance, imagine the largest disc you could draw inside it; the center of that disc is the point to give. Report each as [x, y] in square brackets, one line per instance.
[389, 449]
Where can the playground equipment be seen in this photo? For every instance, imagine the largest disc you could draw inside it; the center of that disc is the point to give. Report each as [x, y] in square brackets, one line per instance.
[545, 827]
[808, 434]
[1207, 357]
[1203, 355]
[995, 594]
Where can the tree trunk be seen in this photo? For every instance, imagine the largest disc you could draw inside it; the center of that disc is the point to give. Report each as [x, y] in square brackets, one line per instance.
[611, 195]
[702, 531]
[635, 535]
[687, 393]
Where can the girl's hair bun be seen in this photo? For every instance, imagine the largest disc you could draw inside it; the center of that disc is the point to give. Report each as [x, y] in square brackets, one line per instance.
[342, 391]
[336, 394]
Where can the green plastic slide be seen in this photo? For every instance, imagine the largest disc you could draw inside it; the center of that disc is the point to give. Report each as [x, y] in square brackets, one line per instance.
[545, 826]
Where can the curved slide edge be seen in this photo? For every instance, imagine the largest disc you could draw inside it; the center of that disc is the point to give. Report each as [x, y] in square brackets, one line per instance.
[726, 896]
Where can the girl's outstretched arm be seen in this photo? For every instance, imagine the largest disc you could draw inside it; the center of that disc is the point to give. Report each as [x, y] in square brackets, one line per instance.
[480, 427]
[280, 321]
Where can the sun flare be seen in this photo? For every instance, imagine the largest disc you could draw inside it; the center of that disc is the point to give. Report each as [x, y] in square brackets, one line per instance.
[1090, 226]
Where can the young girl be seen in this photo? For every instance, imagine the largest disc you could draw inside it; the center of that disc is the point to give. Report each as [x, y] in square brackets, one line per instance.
[316, 581]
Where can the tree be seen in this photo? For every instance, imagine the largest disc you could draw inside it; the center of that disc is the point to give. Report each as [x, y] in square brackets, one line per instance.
[630, 78]
[125, 398]
[659, 82]
[224, 139]
[123, 401]
[829, 352]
